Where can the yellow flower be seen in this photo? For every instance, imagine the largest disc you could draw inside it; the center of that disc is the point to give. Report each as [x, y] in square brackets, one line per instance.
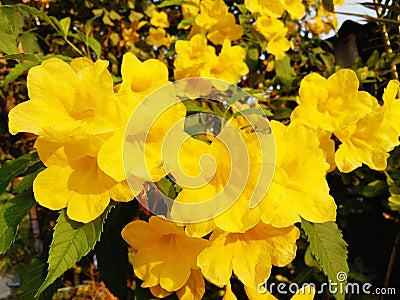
[249, 255]
[211, 11]
[130, 35]
[159, 19]
[323, 105]
[372, 137]
[226, 28]
[190, 10]
[166, 256]
[366, 130]
[58, 108]
[73, 119]
[139, 79]
[159, 37]
[274, 32]
[193, 57]
[276, 8]
[75, 182]
[230, 65]
[292, 194]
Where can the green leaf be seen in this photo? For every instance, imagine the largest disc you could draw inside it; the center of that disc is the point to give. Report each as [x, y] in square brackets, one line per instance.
[11, 214]
[32, 277]
[64, 26]
[8, 43]
[176, 2]
[15, 19]
[95, 45]
[29, 43]
[40, 14]
[15, 167]
[285, 72]
[23, 56]
[111, 250]
[18, 70]
[71, 241]
[253, 52]
[328, 5]
[330, 250]
[185, 22]
[375, 189]
[27, 182]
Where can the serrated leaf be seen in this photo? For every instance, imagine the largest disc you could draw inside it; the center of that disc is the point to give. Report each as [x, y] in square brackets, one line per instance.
[285, 71]
[15, 167]
[11, 214]
[15, 19]
[17, 71]
[24, 56]
[329, 249]
[71, 241]
[253, 111]
[32, 277]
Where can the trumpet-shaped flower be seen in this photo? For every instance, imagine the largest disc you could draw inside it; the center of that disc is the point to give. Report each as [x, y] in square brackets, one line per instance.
[73, 119]
[159, 19]
[166, 256]
[75, 182]
[193, 57]
[159, 37]
[249, 255]
[226, 28]
[274, 32]
[366, 130]
[139, 79]
[292, 194]
[371, 137]
[276, 8]
[211, 11]
[230, 65]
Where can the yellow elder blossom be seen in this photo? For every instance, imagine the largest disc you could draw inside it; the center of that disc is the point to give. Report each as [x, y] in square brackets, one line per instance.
[139, 79]
[249, 255]
[229, 65]
[226, 28]
[166, 256]
[211, 11]
[372, 137]
[192, 57]
[299, 187]
[159, 19]
[159, 37]
[275, 8]
[366, 130]
[196, 58]
[274, 32]
[73, 119]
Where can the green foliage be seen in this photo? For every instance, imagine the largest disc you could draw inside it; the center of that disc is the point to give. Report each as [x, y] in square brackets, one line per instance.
[71, 241]
[32, 277]
[13, 168]
[329, 249]
[11, 214]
